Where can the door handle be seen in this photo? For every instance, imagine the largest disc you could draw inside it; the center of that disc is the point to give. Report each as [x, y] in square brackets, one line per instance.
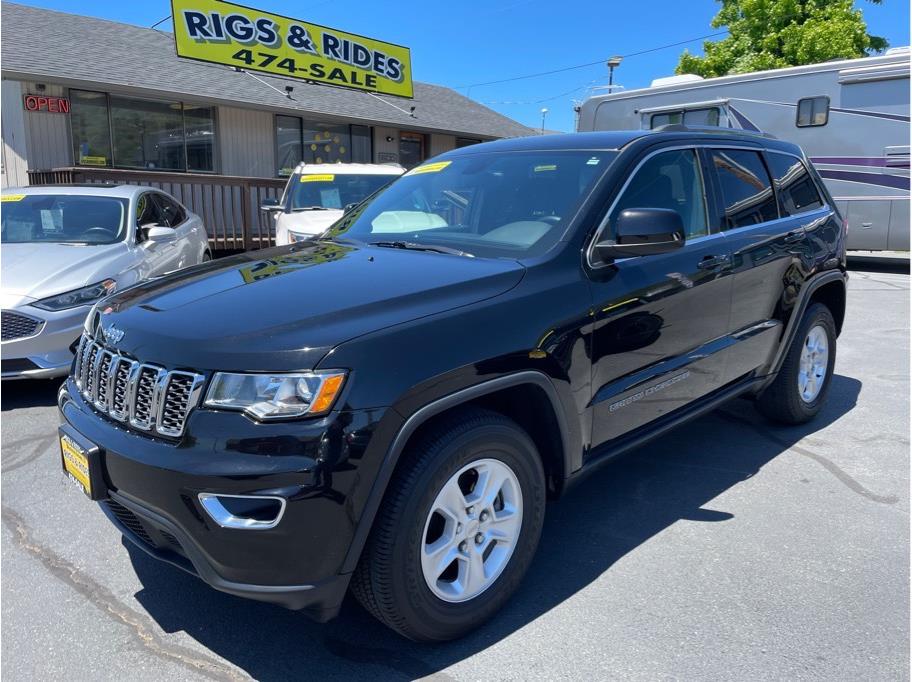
[712, 262]
[794, 236]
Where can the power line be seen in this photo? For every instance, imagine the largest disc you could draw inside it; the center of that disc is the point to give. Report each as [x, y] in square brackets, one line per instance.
[600, 61]
[160, 21]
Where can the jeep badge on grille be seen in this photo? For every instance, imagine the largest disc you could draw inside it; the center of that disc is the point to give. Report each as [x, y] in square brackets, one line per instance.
[112, 334]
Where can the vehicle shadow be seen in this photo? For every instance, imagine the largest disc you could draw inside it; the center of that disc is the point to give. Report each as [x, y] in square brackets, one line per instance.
[24, 393]
[607, 515]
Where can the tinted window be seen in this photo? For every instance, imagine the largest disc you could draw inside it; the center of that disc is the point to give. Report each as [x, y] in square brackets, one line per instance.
[172, 214]
[797, 192]
[669, 180]
[490, 204]
[746, 189]
[813, 111]
[62, 218]
[147, 211]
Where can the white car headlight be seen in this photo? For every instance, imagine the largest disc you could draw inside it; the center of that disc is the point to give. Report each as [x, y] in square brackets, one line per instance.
[77, 297]
[276, 396]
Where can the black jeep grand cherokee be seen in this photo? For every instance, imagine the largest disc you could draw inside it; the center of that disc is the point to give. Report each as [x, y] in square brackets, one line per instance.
[387, 407]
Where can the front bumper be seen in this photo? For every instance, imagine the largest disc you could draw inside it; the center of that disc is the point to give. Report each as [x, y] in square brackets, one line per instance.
[154, 485]
[47, 353]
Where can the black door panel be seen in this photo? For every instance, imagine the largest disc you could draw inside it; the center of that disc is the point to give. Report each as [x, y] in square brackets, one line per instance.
[659, 318]
[769, 247]
[656, 319]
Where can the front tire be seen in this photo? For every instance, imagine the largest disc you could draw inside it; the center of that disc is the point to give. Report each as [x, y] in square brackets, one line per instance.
[457, 529]
[800, 389]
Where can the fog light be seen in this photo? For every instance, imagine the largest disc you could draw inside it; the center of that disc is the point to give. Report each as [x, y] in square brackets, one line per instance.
[247, 512]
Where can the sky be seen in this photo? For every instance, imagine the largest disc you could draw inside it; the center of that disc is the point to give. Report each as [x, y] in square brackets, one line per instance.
[464, 43]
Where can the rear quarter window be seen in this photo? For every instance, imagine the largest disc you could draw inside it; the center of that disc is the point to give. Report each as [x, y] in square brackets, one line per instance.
[747, 192]
[797, 191]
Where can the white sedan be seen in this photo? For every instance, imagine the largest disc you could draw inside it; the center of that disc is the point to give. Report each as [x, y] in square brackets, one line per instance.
[64, 248]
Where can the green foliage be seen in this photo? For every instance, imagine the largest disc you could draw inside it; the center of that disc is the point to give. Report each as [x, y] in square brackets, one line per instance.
[771, 34]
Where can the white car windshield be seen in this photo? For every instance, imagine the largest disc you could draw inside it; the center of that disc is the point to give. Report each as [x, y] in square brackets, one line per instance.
[496, 204]
[62, 219]
[333, 190]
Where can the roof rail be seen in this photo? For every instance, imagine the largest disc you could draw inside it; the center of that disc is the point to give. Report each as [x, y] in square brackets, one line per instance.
[681, 128]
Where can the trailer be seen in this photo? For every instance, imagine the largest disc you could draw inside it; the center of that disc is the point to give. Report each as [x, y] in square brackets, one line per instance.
[850, 116]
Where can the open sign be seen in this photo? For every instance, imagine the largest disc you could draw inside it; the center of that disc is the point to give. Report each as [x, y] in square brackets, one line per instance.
[54, 105]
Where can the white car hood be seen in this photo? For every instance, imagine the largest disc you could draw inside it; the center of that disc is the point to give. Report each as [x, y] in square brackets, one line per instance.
[34, 271]
[308, 222]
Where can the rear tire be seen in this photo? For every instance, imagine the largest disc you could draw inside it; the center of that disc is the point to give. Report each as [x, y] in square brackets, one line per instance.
[456, 494]
[803, 382]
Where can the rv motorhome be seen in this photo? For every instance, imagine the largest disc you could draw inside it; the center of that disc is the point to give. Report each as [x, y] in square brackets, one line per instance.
[851, 117]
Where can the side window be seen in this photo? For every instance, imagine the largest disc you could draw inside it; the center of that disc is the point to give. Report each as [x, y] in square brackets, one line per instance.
[746, 188]
[813, 111]
[669, 180]
[797, 192]
[147, 212]
[171, 212]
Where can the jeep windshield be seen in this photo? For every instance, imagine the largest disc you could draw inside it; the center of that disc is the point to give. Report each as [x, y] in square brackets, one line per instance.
[495, 204]
[333, 190]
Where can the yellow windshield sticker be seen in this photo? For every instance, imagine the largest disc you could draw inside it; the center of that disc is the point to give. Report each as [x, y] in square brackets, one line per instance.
[548, 167]
[13, 197]
[93, 160]
[323, 177]
[430, 168]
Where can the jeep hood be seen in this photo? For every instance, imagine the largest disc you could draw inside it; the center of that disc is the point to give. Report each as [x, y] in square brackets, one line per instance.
[285, 308]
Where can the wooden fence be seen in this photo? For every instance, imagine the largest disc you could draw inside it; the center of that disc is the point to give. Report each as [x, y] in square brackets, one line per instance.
[229, 205]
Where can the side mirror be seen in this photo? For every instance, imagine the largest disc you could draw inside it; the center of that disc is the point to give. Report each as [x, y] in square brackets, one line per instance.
[270, 204]
[643, 232]
[159, 233]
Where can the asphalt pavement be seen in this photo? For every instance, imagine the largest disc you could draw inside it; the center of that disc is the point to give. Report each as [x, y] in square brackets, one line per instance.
[730, 549]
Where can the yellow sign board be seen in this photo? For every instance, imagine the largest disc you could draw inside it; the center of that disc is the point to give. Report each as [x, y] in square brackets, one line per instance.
[224, 33]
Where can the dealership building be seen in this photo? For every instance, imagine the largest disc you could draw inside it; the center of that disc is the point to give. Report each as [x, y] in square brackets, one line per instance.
[91, 100]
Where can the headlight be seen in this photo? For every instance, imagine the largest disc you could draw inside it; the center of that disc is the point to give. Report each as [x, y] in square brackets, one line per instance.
[295, 237]
[77, 297]
[274, 396]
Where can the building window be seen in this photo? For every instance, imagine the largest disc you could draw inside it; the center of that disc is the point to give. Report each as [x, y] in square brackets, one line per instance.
[813, 111]
[289, 143]
[411, 149]
[690, 117]
[300, 140]
[91, 128]
[122, 132]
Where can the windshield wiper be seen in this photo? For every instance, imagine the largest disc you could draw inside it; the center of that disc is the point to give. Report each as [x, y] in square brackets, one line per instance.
[311, 208]
[422, 247]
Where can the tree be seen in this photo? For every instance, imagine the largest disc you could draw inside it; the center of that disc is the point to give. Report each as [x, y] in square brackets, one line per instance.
[771, 34]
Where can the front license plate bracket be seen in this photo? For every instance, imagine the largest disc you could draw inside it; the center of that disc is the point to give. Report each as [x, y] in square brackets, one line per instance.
[81, 460]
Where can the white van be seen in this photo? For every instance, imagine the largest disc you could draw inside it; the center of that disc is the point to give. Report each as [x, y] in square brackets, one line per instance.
[316, 196]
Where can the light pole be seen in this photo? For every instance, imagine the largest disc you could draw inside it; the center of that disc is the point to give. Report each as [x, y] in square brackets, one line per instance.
[544, 112]
[612, 63]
